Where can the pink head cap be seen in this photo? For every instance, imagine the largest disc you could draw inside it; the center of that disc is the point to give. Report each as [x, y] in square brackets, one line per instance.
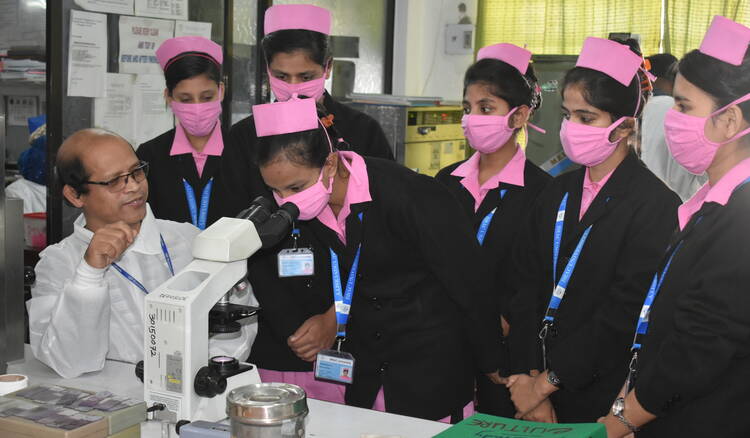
[611, 58]
[726, 40]
[294, 115]
[305, 17]
[170, 49]
[509, 54]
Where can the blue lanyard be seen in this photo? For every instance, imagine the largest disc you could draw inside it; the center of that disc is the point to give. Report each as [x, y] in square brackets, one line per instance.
[653, 291]
[641, 328]
[198, 219]
[558, 292]
[137, 283]
[485, 225]
[343, 297]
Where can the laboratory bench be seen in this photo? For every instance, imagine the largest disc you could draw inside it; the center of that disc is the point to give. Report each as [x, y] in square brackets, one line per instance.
[329, 420]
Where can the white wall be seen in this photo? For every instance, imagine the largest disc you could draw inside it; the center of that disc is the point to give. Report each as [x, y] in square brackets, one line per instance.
[420, 66]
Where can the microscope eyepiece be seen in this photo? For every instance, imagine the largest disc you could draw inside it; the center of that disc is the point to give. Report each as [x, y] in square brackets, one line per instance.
[258, 212]
[278, 225]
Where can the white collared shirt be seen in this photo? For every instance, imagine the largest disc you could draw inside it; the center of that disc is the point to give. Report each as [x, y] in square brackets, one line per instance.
[79, 316]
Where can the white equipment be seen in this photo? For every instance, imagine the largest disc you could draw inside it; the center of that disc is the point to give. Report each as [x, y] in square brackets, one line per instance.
[179, 315]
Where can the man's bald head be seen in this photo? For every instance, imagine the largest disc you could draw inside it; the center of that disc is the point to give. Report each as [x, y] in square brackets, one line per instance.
[102, 176]
[76, 150]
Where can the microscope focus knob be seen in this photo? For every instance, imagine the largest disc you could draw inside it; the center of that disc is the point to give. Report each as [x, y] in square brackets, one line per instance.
[209, 382]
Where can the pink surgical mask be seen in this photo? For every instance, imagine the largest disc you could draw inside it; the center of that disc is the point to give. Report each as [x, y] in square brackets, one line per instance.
[687, 141]
[310, 201]
[197, 119]
[284, 91]
[487, 133]
[588, 145]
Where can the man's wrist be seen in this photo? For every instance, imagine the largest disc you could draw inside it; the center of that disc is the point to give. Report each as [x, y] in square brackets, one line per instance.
[543, 386]
[618, 411]
[615, 428]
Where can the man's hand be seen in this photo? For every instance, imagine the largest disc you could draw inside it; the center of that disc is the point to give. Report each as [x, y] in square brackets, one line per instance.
[527, 392]
[108, 244]
[314, 335]
[544, 413]
[496, 378]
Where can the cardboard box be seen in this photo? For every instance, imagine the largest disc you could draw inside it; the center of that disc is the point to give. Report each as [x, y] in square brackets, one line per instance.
[131, 432]
[483, 425]
[12, 426]
[60, 396]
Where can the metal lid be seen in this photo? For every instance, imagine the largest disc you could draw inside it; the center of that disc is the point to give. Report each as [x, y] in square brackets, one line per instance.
[266, 403]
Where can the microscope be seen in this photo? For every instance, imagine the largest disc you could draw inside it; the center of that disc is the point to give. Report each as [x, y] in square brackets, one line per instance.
[181, 314]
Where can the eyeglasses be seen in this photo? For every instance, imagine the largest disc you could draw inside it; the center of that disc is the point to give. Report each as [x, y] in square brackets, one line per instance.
[118, 183]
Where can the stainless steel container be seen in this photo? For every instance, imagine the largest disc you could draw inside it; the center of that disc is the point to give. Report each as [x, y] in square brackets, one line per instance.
[267, 410]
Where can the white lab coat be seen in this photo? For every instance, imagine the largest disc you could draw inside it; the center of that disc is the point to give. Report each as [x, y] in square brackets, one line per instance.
[34, 195]
[79, 315]
[655, 153]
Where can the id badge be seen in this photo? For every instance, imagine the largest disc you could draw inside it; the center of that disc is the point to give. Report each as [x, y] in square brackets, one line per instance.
[299, 262]
[337, 366]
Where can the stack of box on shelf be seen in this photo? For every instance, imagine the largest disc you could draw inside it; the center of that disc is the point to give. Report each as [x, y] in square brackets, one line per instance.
[23, 64]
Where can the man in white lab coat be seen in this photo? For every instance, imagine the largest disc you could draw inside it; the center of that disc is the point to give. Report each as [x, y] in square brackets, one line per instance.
[654, 151]
[87, 302]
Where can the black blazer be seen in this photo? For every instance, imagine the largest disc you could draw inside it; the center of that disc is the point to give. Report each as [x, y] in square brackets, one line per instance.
[421, 320]
[512, 213]
[694, 367]
[242, 177]
[288, 302]
[166, 192]
[633, 216]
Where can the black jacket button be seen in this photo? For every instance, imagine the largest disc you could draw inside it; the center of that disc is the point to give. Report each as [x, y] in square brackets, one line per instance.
[376, 303]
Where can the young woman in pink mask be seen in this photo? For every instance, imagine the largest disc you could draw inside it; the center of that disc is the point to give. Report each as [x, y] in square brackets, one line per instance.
[297, 52]
[497, 186]
[594, 237]
[394, 251]
[691, 345]
[185, 179]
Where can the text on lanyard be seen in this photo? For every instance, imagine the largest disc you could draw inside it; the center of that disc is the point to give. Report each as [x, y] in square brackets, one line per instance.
[558, 292]
[138, 284]
[343, 297]
[198, 218]
[485, 225]
[653, 291]
[559, 287]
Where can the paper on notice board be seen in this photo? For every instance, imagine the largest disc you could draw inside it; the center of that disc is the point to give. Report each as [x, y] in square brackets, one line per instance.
[151, 116]
[172, 9]
[20, 108]
[139, 39]
[87, 54]
[115, 112]
[192, 28]
[111, 6]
